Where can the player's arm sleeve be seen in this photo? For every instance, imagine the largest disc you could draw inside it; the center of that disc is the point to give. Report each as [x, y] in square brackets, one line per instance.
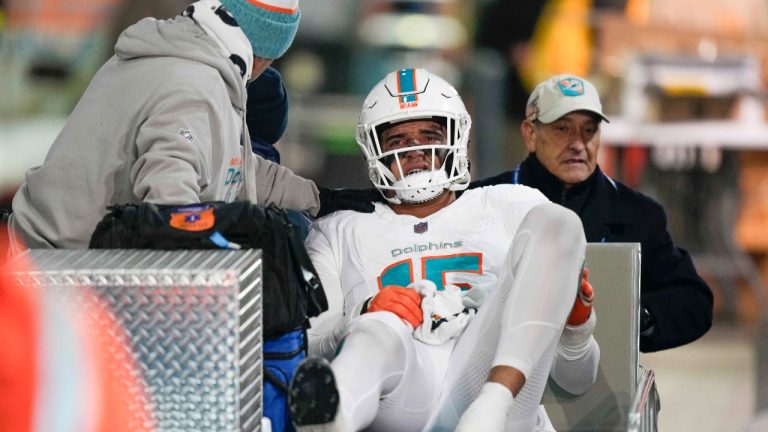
[171, 166]
[276, 184]
[576, 359]
[324, 332]
[576, 375]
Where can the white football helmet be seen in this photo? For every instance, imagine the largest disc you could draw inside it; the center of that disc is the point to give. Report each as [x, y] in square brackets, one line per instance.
[412, 94]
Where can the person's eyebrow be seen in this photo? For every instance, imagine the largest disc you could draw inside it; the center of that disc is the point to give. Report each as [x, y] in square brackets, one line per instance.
[432, 129]
[394, 136]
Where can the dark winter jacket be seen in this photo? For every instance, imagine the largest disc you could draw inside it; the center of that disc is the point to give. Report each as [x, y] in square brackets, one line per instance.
[678, 299]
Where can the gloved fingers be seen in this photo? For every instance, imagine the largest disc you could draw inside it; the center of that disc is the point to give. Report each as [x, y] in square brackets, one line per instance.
[374, 195]
[410, 297]
[355, 205]
[582, 305]
[407, 312]
[358, 200]
[586, 293]
[405, 296]
[366, 207]
[403, 302]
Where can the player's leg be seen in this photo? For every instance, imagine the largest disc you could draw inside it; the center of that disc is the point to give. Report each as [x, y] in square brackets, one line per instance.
[411, 404]
[517, 328]
[544, 270]
[371, 363]
[376, 371]
[470, 366]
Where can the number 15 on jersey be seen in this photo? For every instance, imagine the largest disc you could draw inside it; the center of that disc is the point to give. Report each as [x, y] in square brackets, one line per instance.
[436, 268]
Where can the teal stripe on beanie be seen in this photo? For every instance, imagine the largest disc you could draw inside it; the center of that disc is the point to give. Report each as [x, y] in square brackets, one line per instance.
[270, 33]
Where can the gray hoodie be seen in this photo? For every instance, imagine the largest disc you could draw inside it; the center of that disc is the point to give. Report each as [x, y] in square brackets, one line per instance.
[162, 121]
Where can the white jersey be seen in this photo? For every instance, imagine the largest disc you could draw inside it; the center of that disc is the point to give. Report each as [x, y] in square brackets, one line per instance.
[476, 243]
[464, 244]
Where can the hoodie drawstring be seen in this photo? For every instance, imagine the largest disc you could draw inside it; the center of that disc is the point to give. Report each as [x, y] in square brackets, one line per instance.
[248, 188]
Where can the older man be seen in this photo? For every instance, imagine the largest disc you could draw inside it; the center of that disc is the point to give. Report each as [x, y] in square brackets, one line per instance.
[561, 131]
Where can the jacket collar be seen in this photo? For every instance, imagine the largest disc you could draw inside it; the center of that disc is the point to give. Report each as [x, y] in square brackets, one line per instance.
[598, 194]
[574, 198]
[608, 200]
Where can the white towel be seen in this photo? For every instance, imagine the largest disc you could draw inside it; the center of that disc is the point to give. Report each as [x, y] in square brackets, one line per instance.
[445, 316]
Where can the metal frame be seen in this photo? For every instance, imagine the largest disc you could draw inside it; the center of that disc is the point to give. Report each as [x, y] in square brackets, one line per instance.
[643, 414]
[191, 320]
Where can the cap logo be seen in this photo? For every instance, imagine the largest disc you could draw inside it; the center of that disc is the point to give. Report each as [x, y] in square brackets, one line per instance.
[571, 86]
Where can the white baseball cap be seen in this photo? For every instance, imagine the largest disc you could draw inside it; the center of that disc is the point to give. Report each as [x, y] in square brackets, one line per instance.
[561, 94]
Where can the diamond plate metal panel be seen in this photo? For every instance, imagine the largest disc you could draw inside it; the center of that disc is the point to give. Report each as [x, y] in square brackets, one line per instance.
[191, 319]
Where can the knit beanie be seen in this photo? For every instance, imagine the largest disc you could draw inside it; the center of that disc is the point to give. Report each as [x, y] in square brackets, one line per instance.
[270, 25]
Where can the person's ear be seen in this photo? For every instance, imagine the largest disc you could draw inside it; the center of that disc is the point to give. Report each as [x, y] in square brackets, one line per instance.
[527, 131]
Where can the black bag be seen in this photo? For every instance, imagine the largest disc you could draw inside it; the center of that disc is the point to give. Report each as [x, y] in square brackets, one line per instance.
[291, 290]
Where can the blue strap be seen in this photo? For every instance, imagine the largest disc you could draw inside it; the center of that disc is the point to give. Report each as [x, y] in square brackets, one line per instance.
[220, 241]
[516, 175]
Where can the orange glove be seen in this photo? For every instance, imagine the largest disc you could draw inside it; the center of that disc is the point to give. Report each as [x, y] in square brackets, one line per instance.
[403, 302]
[582, 307]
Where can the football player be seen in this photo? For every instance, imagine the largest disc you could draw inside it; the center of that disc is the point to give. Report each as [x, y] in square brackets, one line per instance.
[446, 312]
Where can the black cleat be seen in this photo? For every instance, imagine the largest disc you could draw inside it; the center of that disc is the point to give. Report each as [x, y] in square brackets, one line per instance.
[313, 397]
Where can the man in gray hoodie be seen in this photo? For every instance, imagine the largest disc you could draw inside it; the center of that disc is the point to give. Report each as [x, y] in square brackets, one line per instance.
[163, 121]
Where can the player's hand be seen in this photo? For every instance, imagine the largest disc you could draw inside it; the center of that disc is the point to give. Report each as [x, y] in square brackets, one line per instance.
[359, 200]
[582, 307]
[403, 302]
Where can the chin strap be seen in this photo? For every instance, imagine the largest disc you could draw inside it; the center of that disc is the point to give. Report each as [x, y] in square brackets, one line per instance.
[421, 187]
[406, 201]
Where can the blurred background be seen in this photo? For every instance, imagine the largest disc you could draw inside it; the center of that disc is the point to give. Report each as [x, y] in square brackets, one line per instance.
[683, 82]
